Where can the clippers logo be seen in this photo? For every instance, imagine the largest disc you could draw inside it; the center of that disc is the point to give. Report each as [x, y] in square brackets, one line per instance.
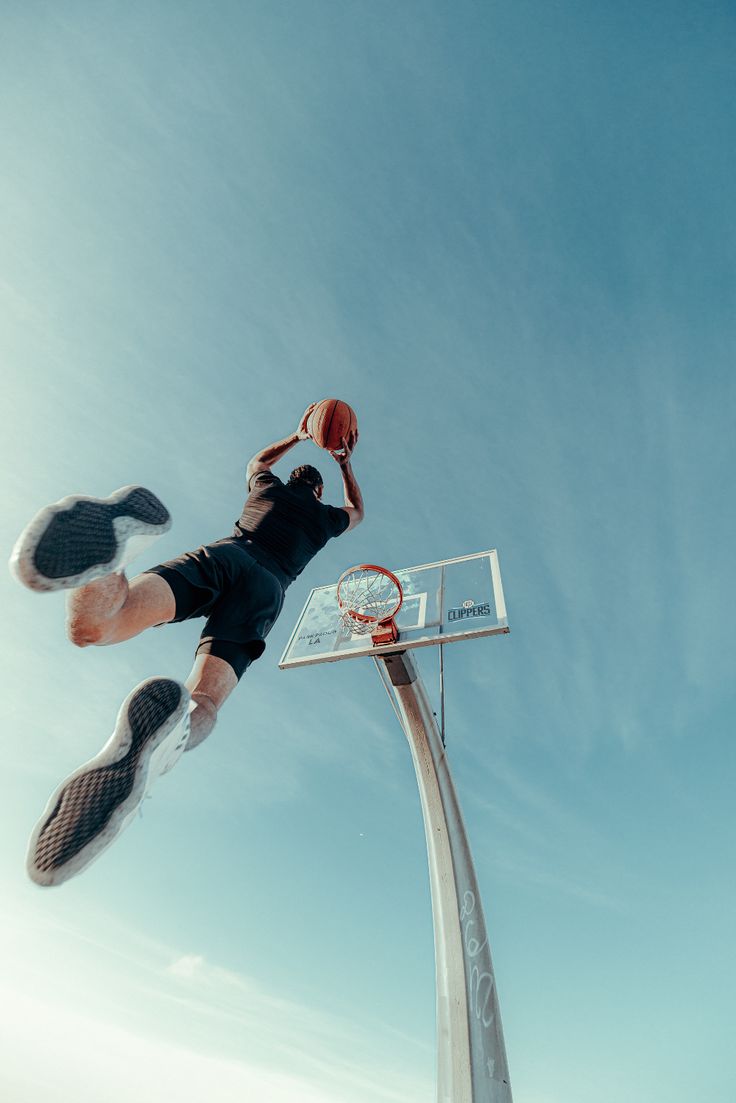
[468, 610]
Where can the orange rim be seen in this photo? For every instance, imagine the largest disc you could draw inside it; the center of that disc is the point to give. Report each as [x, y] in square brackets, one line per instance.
[368, 618]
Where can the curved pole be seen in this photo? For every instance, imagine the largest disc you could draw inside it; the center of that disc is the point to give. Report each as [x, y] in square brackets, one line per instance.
[471, 1055]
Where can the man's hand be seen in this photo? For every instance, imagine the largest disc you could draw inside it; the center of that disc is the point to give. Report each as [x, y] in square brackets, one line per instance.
[342, 455]
[302, 432]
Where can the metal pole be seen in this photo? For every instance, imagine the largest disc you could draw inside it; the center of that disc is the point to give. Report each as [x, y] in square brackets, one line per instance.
[442, 659]
[471, 1055]
[442, 695]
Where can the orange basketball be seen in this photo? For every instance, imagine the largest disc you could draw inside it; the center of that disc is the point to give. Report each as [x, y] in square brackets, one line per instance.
[330, 421]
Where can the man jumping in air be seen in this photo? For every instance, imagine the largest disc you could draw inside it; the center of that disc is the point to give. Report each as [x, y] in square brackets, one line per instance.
[82, 544]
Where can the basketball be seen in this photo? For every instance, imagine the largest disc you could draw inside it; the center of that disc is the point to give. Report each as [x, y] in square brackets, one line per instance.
[330, 421]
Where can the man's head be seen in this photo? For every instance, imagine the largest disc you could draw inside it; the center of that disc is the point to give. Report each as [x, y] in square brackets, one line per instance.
[306, 475]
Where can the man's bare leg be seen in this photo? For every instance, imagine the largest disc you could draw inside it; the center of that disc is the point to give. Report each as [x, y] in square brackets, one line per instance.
[112, 609]
[210, 683]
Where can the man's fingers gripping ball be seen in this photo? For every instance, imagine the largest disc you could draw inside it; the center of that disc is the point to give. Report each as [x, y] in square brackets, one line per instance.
[303, 430]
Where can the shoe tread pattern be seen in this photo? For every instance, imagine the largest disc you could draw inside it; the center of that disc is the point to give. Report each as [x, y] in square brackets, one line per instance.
[83, 536]
[87, 802]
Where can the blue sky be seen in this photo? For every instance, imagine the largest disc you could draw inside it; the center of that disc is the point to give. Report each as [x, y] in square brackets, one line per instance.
[505, 234]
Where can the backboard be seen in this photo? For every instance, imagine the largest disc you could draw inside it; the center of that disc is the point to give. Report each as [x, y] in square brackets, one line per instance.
[444, 602]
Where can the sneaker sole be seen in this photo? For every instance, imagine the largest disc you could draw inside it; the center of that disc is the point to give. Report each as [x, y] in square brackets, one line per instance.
[80, 538]
[97, 802]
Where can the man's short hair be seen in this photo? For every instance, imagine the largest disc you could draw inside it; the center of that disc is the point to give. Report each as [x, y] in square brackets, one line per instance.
[306, 474]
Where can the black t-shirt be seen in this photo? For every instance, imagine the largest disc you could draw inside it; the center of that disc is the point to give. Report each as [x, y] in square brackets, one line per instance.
[287, 522]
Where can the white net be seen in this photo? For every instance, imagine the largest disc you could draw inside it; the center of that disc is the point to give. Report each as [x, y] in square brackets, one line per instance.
[367, 596]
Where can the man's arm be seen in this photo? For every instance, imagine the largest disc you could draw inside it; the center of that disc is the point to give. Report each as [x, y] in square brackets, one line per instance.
[272, 453]
[353, 497]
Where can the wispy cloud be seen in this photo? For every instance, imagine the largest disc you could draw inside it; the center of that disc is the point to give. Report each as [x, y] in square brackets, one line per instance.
[148, 1009]
[187, 966]
[521, 868]
[289, 1035]
[85, 1061]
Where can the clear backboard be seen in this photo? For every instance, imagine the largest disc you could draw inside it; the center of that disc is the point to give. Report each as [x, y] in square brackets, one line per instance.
[454, 599]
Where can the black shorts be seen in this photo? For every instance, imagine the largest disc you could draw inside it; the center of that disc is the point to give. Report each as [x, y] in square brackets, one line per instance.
[239, 596]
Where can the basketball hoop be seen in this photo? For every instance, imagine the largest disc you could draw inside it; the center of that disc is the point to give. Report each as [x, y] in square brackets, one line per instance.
[369, 598]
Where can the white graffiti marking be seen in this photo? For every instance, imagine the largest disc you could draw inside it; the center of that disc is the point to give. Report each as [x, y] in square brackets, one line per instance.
[480, 982]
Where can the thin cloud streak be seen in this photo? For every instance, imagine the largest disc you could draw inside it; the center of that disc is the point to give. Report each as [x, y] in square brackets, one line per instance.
[220, 1018]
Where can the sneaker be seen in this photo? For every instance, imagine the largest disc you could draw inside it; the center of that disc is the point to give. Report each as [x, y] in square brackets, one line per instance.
[90, 809]
[79, 539]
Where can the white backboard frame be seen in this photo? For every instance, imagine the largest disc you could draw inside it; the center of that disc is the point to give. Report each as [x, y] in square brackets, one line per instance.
[431, 636]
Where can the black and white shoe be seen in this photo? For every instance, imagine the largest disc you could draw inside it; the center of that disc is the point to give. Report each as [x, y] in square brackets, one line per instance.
[79, 539]
[94, 804]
